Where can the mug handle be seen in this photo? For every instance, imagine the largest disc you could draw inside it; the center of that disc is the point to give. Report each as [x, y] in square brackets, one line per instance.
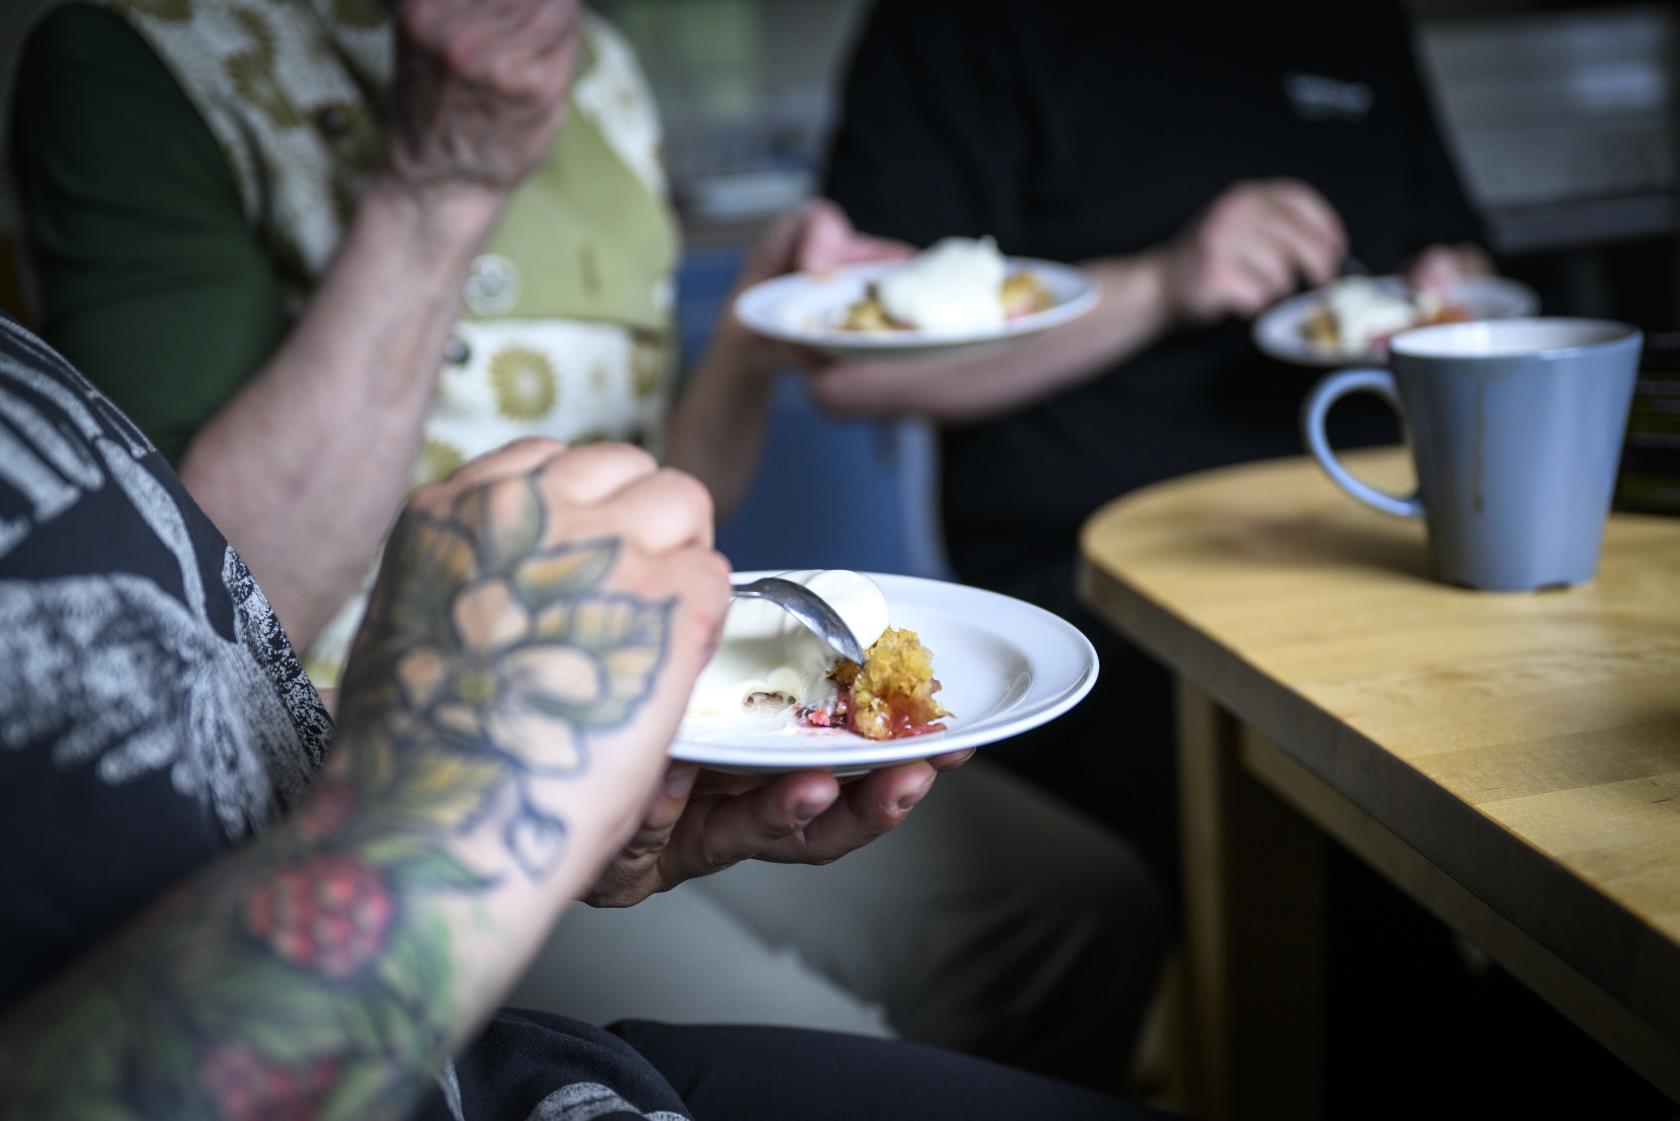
[1313, 413]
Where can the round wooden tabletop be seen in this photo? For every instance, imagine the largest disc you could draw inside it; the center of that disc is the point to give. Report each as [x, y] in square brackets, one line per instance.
[1526, 744]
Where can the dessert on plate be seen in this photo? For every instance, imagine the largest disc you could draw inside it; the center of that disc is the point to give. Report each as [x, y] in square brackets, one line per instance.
[768, 666]
[1355, 313]
[959, 284]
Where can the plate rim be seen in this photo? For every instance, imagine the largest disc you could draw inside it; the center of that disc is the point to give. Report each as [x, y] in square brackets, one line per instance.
[861, 754]
[834, 339]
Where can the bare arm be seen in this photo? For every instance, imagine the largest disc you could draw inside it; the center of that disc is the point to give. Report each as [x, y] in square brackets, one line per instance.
[1132, 313]
[533, 638]
[1252, 245]
[305, 468]
[717, 428]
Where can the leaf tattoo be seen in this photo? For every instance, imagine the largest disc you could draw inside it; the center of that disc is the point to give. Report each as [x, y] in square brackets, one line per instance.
[311, 974]
[504, 653]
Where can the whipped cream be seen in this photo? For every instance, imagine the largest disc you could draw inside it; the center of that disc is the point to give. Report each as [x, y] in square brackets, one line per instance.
[1366, 311]
[767, 661]
[956, 285]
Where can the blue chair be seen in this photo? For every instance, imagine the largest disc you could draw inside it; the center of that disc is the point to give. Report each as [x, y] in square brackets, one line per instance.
[829, 493]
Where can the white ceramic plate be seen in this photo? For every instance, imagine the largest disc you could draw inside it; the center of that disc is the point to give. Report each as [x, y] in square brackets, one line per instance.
[1006, 668]
[1277, 331]
[806, 309]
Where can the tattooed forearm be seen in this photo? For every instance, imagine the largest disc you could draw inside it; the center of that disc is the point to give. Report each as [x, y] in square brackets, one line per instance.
[327, 968]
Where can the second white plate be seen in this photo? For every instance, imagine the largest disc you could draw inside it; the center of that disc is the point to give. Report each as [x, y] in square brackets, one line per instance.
[806, 309]
[1006, 667]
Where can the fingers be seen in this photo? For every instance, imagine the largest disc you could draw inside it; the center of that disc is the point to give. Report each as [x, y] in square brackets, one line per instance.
[474, 27]
[1267, 271]
[697, 579]
[700, 824]
[950, 761]
[829, 241]
[547, 26]
[817, 238]
[1256, 242]
[866, 809]
[718, 832]
[665, 510]
[867, 248]
[520, 457]
[660, 510]
[857, 389]
[513, 46]
[591, 474]
[1307, 235]
[558, 65]
[1440, 267]
[634, 873]
[630, 496]
[1317, 219]
[662, 814]
[822, 235]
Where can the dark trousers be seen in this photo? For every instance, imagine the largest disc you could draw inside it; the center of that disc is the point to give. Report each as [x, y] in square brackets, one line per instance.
[547, 1068]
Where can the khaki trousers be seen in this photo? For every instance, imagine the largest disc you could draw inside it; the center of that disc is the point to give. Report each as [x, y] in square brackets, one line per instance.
[995, 921]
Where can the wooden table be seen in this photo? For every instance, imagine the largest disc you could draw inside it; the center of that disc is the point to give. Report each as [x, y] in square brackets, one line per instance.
[1512, 762]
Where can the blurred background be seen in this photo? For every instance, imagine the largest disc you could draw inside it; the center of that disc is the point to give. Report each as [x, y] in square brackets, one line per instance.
[1564, 119]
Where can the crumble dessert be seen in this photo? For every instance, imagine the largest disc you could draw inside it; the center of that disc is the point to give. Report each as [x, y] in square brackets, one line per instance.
[769, 666]
[890, 695]
[1356, 313]
[960, 284]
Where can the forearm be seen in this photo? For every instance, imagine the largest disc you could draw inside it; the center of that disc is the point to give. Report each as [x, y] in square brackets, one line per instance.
[717, 428]
[505, 713]
[305, 467]
[325, 970]
[1133, 311]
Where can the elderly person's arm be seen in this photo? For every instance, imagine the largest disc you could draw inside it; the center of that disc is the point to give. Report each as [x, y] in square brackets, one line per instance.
[304, 466]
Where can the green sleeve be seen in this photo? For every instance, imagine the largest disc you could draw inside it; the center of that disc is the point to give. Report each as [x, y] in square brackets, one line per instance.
[150, 279]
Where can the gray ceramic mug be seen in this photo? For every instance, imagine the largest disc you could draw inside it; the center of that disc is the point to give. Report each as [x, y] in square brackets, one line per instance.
[1516, 428]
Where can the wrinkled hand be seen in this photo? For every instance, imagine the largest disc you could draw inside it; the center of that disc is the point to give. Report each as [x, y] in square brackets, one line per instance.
[701, 822]
[552, 609]
[1252, 246]
[480, 89]
[1440, 267]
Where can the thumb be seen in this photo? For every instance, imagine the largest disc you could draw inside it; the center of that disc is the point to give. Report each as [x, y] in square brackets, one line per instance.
[825, 238]
[661, 816]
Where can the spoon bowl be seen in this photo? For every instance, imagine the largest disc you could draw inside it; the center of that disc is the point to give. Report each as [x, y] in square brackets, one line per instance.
[809, 608]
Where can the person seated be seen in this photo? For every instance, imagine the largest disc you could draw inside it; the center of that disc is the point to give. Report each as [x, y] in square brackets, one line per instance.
[1200, 163]
[221, 904]
[313, 304]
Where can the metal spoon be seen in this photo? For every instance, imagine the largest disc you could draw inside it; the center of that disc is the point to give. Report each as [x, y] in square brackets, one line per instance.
[809, 608]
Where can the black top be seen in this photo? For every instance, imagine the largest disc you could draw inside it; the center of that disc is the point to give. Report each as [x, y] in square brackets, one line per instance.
[1072, 130]
[152, 713]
